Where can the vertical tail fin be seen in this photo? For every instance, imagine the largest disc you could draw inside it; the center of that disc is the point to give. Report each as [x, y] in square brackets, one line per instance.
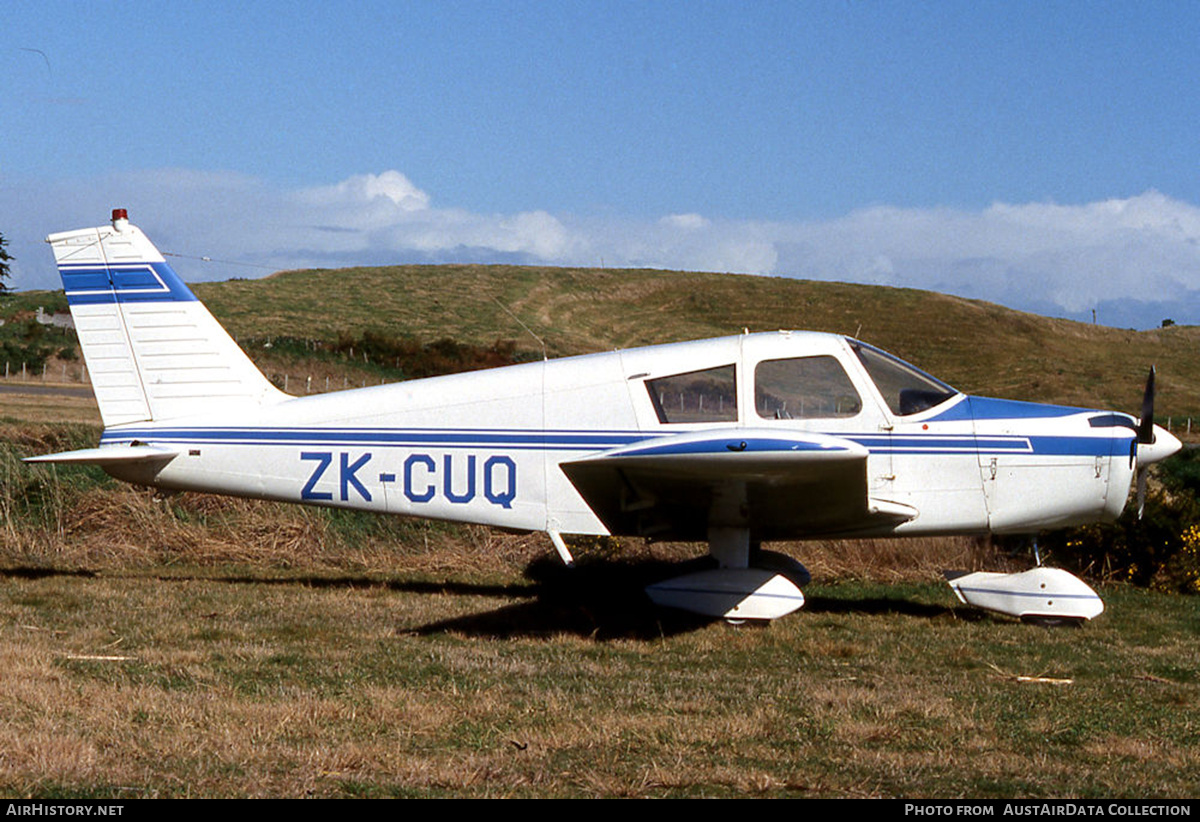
[153, 350]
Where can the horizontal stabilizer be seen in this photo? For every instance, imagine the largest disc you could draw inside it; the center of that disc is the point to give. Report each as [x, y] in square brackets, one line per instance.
[110, 455]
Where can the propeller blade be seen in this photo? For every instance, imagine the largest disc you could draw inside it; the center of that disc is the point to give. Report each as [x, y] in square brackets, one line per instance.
[1145, 431]
[1153, 444]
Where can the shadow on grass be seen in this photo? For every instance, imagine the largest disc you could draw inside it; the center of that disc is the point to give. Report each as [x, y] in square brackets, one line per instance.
[880, 606]
[599, 599]
[31, 572]
[605, 599]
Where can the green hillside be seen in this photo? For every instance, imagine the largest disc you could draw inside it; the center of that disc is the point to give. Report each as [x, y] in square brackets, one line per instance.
[978, 347]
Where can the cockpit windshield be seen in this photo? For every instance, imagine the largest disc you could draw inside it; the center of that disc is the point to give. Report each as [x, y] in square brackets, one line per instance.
[907, 390]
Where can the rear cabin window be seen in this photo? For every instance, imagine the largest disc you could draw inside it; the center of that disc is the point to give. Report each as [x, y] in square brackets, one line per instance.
[697, 396]
[804, 388]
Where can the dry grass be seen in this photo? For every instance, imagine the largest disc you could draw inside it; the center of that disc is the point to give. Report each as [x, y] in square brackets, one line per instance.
[896, 560]
[201, 646]
[126, 527]
[18, 406]
[237, 687]
[205, 646]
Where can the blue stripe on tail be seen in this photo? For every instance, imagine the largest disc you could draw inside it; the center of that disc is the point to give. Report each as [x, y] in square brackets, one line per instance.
[93, 284]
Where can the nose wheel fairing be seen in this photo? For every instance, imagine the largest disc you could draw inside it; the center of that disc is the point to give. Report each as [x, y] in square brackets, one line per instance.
[1036, 594]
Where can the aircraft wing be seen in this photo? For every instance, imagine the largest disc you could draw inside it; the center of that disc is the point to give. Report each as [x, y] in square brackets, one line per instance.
[779, 484]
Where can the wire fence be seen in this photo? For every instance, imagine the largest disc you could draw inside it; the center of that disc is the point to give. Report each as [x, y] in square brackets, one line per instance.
[66, 374]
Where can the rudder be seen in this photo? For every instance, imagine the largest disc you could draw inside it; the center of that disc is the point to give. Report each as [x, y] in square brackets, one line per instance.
[153, 350]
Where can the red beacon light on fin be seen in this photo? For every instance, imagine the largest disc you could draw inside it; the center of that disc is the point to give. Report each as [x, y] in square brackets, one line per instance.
[120, 218]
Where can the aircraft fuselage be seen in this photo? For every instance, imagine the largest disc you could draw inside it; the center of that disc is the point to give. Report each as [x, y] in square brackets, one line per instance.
[488, 446]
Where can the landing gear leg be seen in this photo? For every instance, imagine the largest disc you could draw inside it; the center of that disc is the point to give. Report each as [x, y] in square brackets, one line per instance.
[730, 546]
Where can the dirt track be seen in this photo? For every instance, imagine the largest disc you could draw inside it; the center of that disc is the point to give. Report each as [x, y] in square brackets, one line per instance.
[57, 390]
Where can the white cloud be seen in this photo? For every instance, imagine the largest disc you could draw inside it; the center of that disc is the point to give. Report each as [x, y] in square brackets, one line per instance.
[536, 232]
[391, 187]
[1049, 256]
[689, 221]
[1116, 254]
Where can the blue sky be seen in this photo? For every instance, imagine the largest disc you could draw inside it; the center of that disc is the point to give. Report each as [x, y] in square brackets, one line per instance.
[1042, 155]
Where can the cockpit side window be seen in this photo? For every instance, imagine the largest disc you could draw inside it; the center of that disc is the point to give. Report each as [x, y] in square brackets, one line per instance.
[804, 388]
[905, 389]
[697, 396]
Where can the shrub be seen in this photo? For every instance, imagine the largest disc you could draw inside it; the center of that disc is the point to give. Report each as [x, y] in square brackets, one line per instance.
[1160, 550]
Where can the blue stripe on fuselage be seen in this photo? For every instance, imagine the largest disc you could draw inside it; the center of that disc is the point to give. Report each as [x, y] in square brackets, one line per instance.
[567, 440]
[484, 438]
[987, 408]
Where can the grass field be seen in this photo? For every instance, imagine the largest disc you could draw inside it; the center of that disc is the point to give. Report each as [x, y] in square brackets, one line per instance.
[201, 646]
[203, 682]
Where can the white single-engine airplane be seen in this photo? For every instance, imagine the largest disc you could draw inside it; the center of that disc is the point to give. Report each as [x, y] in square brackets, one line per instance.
[734, 441]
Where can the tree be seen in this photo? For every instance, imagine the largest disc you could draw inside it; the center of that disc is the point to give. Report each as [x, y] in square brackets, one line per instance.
[4, 272]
